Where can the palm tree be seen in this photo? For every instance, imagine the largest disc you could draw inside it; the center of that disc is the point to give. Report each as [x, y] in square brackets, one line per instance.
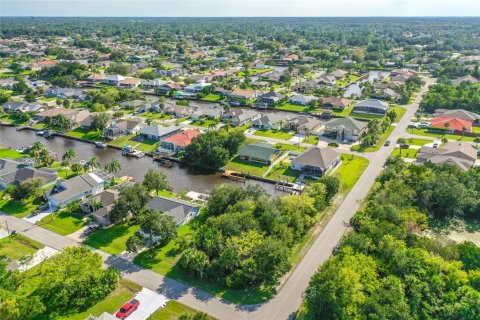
[444, 140]
[76, 168]
[69, 154]
[400, 142]
[477, 141]
[114, 166]
[463, 130]
[64, 164]
[92, 163]
[95, 204]
[446, 125]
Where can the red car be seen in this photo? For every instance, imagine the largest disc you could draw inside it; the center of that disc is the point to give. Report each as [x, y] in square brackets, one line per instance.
[127, 309]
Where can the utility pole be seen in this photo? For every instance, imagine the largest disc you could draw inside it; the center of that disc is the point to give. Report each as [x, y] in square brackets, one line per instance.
[6, 223]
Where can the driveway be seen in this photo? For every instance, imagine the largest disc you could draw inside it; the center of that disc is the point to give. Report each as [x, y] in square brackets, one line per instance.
[150, 301]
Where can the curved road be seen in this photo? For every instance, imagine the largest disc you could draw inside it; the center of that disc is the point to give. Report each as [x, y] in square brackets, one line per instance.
[290, 296]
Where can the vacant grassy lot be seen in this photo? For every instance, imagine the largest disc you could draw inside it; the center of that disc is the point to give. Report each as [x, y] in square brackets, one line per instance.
[173, 310]
[63, 223]
[343, 113]
[16, 246]
[439, 135]
[292, 107]
[10, 153]
[350, 171]
[81, 133]
[417, 142]
[289, 147]
[276, 134]
[113, 239]
[212, 97]
[252, 168]
[146, 146]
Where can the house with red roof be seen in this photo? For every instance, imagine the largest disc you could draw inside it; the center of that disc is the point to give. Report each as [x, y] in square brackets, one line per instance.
[451, 124]
[179, 141]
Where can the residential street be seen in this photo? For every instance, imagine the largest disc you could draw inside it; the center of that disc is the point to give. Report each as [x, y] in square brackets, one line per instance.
[287, 301]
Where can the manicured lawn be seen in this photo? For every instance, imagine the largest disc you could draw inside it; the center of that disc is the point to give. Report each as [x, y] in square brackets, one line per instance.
[17, 246]
[283, 172]
[252, 168]
[252, 72]
[173, 310]
[125, 291]
[15, 208]
[276, 134]
[62, 172]
[292, 107]
[311, 139]
[378, 145]
[400, 112]
[439, 134]
[147, 146]
[178, 121]
[367, 116]
[113, 239]
[476, 129]
[350, 171]
[204, 123]
[63, 223]
[10, 153]
[343, 113]
[405, 153]
[289, 147]
[347, 80]
[212, 97]
[417, 142]
[81, 133]
[156, 116]
[252, 141]
[12, 118]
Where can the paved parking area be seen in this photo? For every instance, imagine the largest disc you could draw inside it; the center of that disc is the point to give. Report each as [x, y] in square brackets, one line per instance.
[150, 301]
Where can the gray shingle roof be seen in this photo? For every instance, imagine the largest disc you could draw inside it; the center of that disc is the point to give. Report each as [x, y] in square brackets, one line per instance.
[259, 150]
[316, 157]
[178, 209]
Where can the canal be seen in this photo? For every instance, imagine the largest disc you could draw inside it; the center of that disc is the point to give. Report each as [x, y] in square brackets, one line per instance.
[354, 90]
[180, 178]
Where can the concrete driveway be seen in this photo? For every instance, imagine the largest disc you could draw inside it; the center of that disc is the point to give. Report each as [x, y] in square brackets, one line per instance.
[150, 301]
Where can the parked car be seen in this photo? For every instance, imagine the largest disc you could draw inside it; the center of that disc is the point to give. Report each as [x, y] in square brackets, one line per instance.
[423, 125]
[435, 144]
[387, 143]
[404, 146]
[127, 309]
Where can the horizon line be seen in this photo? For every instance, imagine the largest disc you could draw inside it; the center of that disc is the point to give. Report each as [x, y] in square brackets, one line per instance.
[373, 16]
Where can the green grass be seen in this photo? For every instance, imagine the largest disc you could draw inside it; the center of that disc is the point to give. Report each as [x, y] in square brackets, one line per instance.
[350, 171]
[113, 239]
[312, 139]
[16, 208]
[212, 97]
[378, 145]
[10, 153]
[63, 222]
[146, 146]
[173, 310]
[12, 118]
[276, 134]
[347, 80]
[405, 153]
[439, 134]
[291, 107]
[62, 173]
[283, 172]
[156, 116]
[400, 113]
[343, 113]
[417, 142]
[252, 141]
[476, 129]
[16, 246]
[124, 292]
[205, 122]
[252, 168]
[81, 133]
[252, 72]
[178, 121]
[367, 116]
[289, 147]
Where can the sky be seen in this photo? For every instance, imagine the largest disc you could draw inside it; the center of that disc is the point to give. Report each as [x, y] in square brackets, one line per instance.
[236, 8]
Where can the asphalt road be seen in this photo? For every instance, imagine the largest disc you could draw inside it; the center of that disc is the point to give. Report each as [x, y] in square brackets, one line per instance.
[289, 298]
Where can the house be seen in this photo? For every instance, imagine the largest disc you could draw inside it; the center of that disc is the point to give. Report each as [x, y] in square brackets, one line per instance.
[301, 100]
[197, 87]
[316, 161]
[272, 121]
[371, 106]
[77, 188]
[14, 172]
[261, 152]
[458, 113]
[210, 112]
[459, 153]
[153, 84]
[168, 87]
[338, 74]
[327, 80]
[75, 116]
[387, 94]
[131, 105]
[179, 111]
[273, 76]
[114, 80]
[124, 127]
[346, 128]
[66, 93]
[130, 82]
[174, 72]
[157, 132]
[242, 94]
[95, 78]
[306, 125]
[269, 99]
[336, 103]
[451, 124]
[467, 78]
[8, 83]
[240, 117]
[181, 211]
[305, 87]
[179, 141]
[14, 106]
[100, 206]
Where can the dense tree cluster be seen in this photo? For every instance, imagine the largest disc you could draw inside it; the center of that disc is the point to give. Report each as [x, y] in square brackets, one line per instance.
[386, 269]
[247, 237]
[446, 96]
[213, 149]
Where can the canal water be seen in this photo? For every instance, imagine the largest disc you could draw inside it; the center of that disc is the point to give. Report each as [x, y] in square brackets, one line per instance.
[354, 90]
[180, 178]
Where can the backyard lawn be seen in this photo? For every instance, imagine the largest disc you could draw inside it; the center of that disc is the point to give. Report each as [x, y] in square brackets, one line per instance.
[113, 239]
[89, 135]
[146, 146]
[16, 246]
[63, 223]
[156, 116]
[10, 153]
[283, 172]
[350, 171]
[204, 123]
[417, 142]
[405, 153]
[212, 97]
[62, 172]
[247, 167]
[15, 208]
[343, 113]
[276, 134]
[291, 107]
